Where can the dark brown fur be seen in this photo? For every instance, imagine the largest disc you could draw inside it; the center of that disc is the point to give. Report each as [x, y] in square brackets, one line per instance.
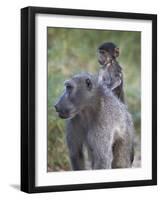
[111, 71]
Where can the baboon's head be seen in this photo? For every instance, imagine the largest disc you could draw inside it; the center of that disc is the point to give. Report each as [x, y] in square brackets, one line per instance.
[79, 91]
[107, 52]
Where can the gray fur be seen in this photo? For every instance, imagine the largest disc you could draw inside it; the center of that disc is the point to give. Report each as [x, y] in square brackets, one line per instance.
[98, 120]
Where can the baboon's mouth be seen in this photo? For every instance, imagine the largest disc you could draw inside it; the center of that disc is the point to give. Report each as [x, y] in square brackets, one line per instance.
[63, 115]
[67, 115]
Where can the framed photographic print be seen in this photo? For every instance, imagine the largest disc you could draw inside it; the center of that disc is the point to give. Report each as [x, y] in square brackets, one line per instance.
[88, 99]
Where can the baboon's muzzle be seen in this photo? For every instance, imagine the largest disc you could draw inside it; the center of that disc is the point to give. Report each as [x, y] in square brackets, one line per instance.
[63, 113]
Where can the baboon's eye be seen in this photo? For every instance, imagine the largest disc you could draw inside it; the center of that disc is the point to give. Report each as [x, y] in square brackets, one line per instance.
[69, 87]
[102, 52]
[89, 83]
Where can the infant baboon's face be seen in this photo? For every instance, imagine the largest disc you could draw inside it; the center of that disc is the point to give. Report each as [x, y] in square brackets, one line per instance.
[76, 96]
[104, 57]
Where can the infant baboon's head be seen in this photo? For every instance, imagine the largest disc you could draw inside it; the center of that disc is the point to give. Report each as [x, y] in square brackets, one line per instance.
[79, 91]
[107, 52]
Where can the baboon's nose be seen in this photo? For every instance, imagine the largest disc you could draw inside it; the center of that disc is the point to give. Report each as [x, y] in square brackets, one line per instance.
[56, 108]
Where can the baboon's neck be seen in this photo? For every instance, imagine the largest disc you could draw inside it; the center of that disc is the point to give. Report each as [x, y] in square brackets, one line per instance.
[92, 108]
[96, 112]
[101, 97]
[106, 96]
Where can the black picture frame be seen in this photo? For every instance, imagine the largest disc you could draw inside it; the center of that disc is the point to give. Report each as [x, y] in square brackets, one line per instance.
[28, 98]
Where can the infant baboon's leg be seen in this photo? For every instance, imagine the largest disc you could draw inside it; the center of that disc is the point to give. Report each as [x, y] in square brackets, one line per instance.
[75, 146]
[121, 154]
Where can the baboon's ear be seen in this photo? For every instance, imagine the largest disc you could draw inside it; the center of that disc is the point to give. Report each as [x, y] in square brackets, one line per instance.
[89, 84]
[116, 52]
[116, 84]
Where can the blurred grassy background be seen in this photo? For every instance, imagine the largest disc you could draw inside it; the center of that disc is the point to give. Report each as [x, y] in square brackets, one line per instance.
[71, 51]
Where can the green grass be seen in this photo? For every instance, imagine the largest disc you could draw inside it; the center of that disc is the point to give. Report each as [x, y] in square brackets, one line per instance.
[71, 51]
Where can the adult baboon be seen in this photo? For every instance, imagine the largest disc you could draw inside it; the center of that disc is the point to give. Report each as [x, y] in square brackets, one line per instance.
[110, 71]
[97, 119]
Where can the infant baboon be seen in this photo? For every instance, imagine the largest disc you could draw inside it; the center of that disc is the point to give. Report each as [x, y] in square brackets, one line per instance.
[97, 119]
[111, 71]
